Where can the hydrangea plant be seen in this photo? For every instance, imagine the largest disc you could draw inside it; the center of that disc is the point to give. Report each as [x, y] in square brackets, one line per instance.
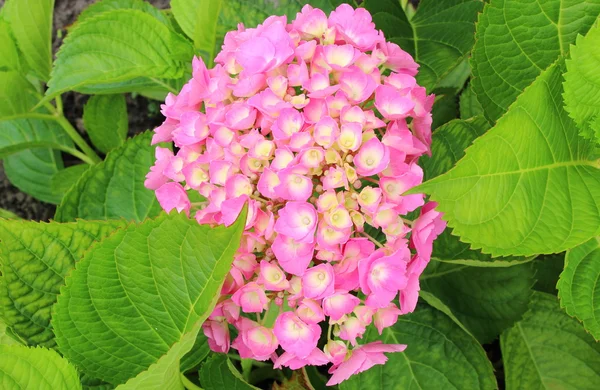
[285, 226]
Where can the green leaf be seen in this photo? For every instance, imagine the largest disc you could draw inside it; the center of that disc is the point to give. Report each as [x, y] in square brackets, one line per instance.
[444, 109]
[198, 353]
[105, 119]
[517, 39]
[514, 190]
[5, 337]
[426, 36]
[66, 178]
[116, 46]
[110, 5]
[582, 84]
[34, 260]
[16, 94]
[35, 368]
[440, 355]
[115, 187]
[578, 288]
[485, 300]
[31, 24]
[9, 53]
[547, 270]
[219, 373]
[469, 105]
[31, 170]
[449, 143]
[549, 350]
[6, 214]
[164, 277]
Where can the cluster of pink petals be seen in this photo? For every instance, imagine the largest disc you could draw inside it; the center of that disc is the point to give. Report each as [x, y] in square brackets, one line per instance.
[317, 126]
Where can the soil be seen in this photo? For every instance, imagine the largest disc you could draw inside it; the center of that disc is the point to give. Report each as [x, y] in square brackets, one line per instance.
[143, 115]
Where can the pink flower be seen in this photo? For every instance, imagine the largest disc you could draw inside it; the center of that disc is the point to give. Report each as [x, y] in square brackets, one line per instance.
[386, 317]
[266, 51]
[255, 341]
[217, 333]
[315, 358]
[297, 220]
[293, 256]
[357, 85]
[310, 311]
[310, 22]
[251, 298]
[361, 359]
[173, 196]
[272, 277]
[336, 351]
[372, 158]
[318, 281]
[381, 276]
[339, 304]
[391, 103]
[426, 228]
[351, 329]
[355, 26]
[296, 336]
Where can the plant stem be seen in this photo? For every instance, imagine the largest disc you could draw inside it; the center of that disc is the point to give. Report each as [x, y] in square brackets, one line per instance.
[76, 137]
[59, 105]
[188, 384]
[373, 240]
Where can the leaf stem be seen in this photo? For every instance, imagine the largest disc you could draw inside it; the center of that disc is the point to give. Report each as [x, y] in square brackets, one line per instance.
[164, 85]
[76, 137]
[188, 384]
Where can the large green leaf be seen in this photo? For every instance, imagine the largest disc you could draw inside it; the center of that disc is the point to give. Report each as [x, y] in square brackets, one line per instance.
[578, 288]
[219, 373]
[106, 122]
[31, 24]
[517, 39]
[530, 185]
[549, 350]
[31, 170]
[116, 46]
[110, 5]
[34, 260]
[35, 368]
[485, 300]
[469, 105]
[440, 355]
[582, 84]
[135, 303]
[63, 180]
[439, 35]
[115, 187]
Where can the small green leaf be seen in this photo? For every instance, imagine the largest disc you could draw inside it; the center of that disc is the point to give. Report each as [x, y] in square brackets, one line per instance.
[5, 337]
[66, 178]
[9, 53]
[106, 122]
[34, 260]
[514, 189]
[31, 170]
[549, 350]
[35, 368]
[16, 94]
[110, 5]
[578, 288]
[164, 277]
[469, 105]
[582, 84]
[31, 24]
[518, 39]
[115, 187]
[547, 271]
[440, 355]
[486, 300]
[116, 46]
[219, 373]
[199, 352]
[426, 36]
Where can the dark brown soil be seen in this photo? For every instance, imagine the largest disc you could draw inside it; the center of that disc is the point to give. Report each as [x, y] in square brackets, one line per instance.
[143, 115]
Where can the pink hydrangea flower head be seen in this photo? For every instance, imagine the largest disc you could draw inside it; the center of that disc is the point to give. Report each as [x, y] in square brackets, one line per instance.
[316, 125]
